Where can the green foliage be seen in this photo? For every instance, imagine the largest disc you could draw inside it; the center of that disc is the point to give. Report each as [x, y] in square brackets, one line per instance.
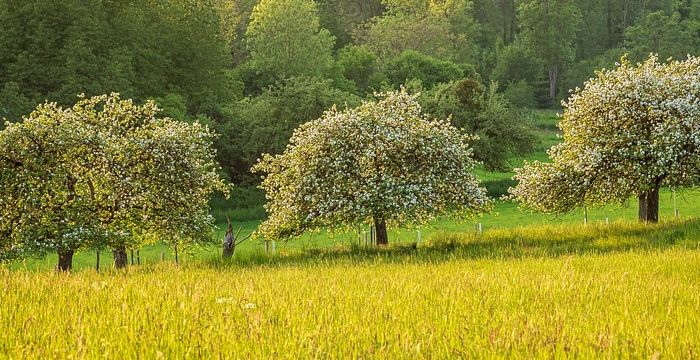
[664, 35]
[503, 131]
[549, 28]
[515, 62]
[58, 49]
[427, 28]
[234, 18]
[520, 94]
[360, 65]
[12, 103]
[285, 39]
[412, 65]
[264, 124]
[382, 161]
[172, 106]
[342, 17]
[104, 172]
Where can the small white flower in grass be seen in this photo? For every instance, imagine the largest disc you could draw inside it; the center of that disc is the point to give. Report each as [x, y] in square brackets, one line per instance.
[251, 306]
[99, 285]
[224, 300]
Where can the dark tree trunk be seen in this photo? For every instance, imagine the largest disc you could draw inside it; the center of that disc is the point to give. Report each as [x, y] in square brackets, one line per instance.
[120, 258]
[229, 241]
[649, 206]
[228, 250]
[382, 236]
[65, 260]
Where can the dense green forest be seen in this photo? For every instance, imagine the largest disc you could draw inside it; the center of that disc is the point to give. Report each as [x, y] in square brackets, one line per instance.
[254, 70]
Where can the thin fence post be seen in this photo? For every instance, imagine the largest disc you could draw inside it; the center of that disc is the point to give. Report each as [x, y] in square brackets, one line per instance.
[675, 205]
[419, 236]
[138, 257]
[97, 261]
[162, 256]
[132, 257]
[274, 248]
[371, 235]
[267, 247]
[480, 229]
[585, 215]
[176, 258]
[607, 221]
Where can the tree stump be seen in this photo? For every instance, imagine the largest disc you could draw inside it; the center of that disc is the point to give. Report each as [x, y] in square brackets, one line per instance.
[229, 241]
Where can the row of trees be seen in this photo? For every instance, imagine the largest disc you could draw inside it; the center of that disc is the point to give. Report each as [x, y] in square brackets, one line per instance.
[254, 70]
[108, 173]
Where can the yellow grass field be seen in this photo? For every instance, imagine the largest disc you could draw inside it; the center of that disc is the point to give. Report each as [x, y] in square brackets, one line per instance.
[623, 290]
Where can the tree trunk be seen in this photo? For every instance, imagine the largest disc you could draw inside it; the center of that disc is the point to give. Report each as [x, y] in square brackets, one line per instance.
[649, 206]
[120, 258]
[553, 75]
[380, 226]
[228, 247]
[65, 260]
[229, 241]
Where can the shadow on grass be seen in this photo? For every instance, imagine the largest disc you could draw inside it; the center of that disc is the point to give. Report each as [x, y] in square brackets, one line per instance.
[518, 243]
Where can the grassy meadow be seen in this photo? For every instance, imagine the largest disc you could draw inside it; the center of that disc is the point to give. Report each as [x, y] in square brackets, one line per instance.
[539, 292]
[528, 286]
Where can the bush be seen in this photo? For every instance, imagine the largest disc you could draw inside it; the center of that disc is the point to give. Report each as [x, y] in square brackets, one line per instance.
[359, 64]
[263, 124]
[520, 94]
[430, 71]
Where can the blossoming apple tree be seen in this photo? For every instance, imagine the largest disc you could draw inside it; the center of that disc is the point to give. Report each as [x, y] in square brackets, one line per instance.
[104, 173]
[630, 131]
[383, 162]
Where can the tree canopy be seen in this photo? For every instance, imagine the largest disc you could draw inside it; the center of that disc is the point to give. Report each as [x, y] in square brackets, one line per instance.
[104, 173]
[382, 162]
[629, 131]
[55, 50]
[285, 38]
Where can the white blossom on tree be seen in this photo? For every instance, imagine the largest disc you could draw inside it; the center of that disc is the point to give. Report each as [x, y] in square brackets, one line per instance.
[382, 162]
[630, 131]
[105, 172]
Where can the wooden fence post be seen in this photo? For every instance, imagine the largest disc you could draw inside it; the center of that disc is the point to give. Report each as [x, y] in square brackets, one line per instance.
[675, 206]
